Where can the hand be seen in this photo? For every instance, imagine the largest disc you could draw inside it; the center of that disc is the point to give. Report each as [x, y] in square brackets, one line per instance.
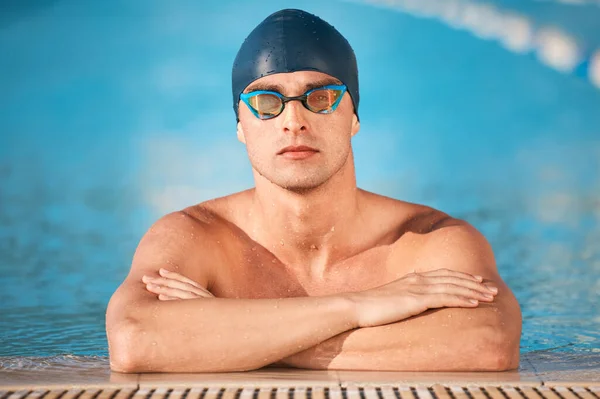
[173, 285]
[416, 292]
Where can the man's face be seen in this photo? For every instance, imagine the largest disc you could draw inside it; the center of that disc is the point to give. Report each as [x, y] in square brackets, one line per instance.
[328, 134]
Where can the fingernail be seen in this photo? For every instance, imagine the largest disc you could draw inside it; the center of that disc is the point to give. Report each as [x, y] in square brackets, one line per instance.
[479, 278]
[473, 301]
[163, 270]
[487, 296]
[493, 289]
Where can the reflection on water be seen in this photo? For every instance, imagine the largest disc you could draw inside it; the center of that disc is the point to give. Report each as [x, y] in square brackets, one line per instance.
[95, 147]
[46, 330]
[56, 364]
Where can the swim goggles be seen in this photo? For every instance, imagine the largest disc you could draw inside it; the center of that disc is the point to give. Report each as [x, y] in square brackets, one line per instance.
[269, 104]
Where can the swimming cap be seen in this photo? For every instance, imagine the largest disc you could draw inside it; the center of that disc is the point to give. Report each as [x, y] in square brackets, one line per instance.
[294, 40]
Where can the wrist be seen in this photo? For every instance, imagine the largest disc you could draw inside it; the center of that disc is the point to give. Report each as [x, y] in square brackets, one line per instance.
[351, 301]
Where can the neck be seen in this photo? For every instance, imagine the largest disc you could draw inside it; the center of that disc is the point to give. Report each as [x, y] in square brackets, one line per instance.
[309, 230]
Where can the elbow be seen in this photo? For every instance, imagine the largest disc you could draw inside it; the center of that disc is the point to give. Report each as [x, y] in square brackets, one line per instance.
[499, 352]
[501, 360]
[123, 348]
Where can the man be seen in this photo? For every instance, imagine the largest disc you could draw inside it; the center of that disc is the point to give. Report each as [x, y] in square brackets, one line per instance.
[306, 270]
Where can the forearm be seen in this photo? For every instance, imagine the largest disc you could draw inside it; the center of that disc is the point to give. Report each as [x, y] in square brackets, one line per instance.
[424, 343]
[217, 334]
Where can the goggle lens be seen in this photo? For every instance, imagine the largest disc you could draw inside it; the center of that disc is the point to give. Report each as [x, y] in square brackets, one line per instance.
[322, 100]
[267, 105]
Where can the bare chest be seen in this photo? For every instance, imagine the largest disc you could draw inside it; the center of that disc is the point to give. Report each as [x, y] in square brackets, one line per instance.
[254, 274]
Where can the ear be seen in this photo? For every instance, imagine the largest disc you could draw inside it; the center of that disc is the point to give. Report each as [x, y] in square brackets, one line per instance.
[355, 125]
[240, 133]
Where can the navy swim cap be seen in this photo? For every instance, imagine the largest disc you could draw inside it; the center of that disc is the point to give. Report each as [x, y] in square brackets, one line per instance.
[294, 40]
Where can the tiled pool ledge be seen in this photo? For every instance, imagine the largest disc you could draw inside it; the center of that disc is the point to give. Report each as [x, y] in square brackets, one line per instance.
[540, 376]
[435, 391]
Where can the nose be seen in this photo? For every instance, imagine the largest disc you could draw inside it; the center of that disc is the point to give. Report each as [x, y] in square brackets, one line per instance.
[293, 118]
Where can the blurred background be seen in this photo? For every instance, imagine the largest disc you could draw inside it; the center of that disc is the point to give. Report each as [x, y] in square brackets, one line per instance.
[114, 113]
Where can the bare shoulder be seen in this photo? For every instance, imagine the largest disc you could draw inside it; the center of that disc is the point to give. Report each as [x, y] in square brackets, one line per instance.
[184, 241]
[403, 219]
[455, 244]
[222, 211]
[429, 239]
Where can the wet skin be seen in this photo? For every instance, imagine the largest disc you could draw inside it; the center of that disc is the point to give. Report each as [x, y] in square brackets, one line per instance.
[307, 231]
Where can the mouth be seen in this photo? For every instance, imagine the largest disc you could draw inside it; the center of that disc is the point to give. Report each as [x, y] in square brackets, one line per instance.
[299, 148]
[297, 152]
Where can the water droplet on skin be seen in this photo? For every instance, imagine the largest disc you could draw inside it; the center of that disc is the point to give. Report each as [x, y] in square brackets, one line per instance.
[153, 343]
[254, 248]
[333, 228]
[273, 261]
[281, 242]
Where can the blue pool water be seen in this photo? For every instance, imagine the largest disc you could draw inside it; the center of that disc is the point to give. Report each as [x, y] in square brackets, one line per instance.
[114, 113]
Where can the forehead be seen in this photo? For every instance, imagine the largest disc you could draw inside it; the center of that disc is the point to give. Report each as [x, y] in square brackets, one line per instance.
[293, 81]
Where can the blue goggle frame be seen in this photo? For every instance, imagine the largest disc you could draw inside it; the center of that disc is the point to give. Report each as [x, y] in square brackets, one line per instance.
[245, 97]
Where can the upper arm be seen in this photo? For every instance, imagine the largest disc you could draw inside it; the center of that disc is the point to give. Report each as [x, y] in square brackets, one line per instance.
[456, 245]
[177, 242]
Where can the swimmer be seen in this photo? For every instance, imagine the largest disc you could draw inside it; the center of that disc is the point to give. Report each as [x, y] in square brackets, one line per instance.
[306, 270]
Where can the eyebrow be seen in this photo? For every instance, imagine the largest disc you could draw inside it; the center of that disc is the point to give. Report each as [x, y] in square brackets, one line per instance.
[279, 88]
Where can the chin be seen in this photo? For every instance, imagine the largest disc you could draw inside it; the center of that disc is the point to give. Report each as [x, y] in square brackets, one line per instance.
[299, 179]
[299, 185]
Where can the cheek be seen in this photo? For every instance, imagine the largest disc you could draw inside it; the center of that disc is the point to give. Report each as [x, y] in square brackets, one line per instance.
[257, 140]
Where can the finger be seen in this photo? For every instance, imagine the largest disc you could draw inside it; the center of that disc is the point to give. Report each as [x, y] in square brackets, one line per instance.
[168, 282]
[450, 300]
[172, 292]
[164, 297]
[179, 286]
[474, 285]
[453, 273]
[454, 289]
[177, 276]
[174, 275]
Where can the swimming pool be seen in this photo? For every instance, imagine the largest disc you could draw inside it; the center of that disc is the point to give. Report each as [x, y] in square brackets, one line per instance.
[112, 118]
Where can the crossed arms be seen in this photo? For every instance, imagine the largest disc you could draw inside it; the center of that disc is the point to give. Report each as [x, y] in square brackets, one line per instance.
[388, 328]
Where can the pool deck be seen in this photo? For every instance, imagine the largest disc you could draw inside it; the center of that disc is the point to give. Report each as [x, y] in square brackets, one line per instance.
[536, 370]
